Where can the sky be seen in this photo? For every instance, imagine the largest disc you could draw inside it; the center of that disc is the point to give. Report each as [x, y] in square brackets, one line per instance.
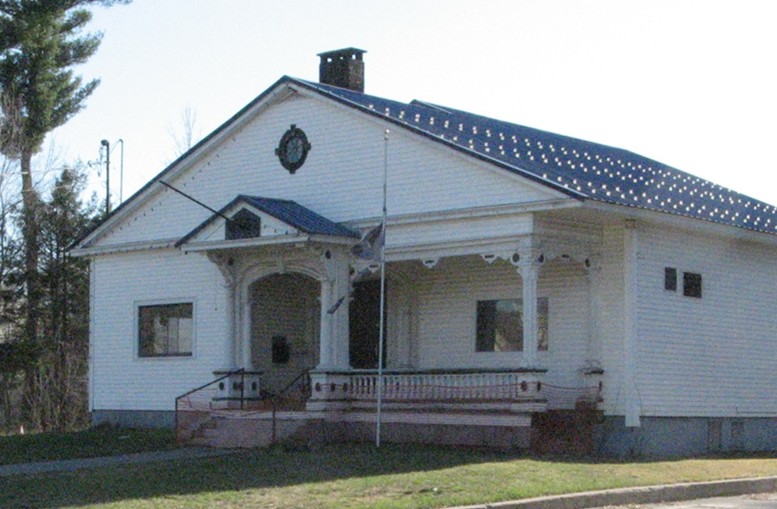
[692, 84]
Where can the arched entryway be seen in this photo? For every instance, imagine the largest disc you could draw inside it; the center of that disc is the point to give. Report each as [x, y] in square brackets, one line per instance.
[285, 327]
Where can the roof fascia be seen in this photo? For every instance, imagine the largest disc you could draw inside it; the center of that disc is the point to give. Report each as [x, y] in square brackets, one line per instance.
[684, 222]
[279, 240]
[277, 92]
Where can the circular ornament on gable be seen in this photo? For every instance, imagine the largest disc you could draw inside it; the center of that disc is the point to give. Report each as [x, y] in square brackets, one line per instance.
[293, 149]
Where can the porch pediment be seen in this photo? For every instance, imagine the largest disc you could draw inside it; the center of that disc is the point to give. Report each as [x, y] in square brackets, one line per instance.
[255, 221]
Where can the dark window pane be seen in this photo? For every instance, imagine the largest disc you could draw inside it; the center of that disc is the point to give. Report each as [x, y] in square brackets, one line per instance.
[508, 326]
[500, 325]
[691, 284]
[486, 321]
[543, 322]
[165, 330]
[670, 279]
[244, 225]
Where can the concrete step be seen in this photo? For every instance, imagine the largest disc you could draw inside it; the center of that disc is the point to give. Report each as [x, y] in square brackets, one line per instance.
[249, 433]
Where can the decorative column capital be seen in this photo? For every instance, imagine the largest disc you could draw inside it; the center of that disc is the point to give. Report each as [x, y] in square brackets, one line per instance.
[528, 262]
[331, 262]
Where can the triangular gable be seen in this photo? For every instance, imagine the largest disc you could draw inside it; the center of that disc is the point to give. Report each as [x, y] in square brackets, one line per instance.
[278, 92]
[253, 216]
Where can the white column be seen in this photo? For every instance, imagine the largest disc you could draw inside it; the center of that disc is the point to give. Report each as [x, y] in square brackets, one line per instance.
[341, 332]
[335, 331]
[325, 338]
[630, 248]
[226, 266]
[529, 268]
[243, 319]
[230, 347]
[594, 271]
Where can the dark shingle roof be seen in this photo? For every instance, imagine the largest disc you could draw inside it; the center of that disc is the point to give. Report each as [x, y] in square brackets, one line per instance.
[579, 168]
[301, 218]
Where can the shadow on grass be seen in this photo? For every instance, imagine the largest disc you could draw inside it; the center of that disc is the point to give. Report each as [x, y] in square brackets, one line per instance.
[219, 481]
[90, 443]
[255, 469]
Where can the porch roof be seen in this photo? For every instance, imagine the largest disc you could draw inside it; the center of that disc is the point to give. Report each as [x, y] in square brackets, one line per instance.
[309, 224]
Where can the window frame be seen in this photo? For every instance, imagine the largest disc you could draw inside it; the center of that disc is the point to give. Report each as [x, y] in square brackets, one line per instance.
[519, 300]
[138, 305]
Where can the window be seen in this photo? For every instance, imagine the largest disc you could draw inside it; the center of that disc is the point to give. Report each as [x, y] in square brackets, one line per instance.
[500, 325]
[670, 279]
[243, 225]
[165, 330]
[691, 284]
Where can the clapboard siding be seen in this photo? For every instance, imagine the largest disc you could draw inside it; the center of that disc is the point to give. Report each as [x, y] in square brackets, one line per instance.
[456, 230]
[340, 180]
[447, 298]
[609, 318]
[122, 380]
[712, 356]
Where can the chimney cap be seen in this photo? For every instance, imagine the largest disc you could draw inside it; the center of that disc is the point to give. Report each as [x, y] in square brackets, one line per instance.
[351, 52]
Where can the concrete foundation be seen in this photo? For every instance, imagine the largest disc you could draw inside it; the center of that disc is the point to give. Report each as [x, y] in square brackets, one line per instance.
[134, 418]
[502, 437]
[685, 436]
[609, 436]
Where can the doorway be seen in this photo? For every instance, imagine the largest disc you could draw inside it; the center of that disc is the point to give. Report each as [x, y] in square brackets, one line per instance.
[285, 325]
[364, 318]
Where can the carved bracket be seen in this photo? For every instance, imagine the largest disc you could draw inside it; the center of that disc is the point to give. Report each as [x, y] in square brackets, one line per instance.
[430, 263]
[227, 266]
[492, 257]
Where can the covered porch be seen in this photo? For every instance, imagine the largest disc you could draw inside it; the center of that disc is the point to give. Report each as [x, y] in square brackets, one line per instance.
[300, 357]
[476, 333]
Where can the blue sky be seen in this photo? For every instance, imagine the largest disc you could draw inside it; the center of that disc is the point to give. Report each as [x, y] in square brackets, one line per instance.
[688, 83]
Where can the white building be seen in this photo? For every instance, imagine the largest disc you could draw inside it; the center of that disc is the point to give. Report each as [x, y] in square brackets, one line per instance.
[527, 274]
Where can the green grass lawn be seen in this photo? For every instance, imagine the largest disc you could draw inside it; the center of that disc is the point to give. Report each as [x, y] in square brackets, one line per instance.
[354, 476]
[100, 441]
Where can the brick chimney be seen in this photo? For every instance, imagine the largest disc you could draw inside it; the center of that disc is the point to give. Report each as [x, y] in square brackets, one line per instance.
[342, 68]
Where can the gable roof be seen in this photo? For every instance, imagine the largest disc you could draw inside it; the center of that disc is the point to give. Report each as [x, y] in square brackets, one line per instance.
[287, 211]
[579, 168]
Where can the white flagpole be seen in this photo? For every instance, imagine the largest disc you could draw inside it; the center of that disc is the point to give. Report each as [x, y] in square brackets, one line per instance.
[382, 334]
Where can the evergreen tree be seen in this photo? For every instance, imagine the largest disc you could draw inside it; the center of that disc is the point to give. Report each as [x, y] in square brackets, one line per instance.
[59, 397]
[39, 45]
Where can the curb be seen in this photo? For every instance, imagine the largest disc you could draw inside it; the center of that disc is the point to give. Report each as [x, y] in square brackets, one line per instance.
[642, 495]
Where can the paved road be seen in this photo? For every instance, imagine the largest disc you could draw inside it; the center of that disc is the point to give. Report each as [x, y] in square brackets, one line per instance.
[759, 501]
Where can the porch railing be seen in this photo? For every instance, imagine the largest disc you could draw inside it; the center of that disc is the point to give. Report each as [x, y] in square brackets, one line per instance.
[445, 386]
[450, 386]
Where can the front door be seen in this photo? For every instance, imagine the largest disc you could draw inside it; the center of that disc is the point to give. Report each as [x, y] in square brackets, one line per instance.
[364, 318]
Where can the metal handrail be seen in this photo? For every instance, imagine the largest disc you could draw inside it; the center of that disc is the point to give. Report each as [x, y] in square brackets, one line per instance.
[274, 399]
[201, 387]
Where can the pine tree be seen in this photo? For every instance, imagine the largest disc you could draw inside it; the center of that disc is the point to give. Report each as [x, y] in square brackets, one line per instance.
[39, 45]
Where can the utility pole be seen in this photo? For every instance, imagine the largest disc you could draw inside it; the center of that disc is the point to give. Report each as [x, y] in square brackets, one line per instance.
[107, 145]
